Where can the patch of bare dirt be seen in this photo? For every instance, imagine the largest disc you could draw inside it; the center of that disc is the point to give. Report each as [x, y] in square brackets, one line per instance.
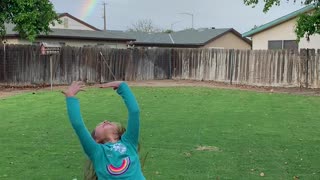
[208, 148]
[6, 91]
[217, 85]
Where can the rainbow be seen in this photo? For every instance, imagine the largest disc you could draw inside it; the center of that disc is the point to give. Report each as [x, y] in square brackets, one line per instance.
[121, 169]
[88, 7]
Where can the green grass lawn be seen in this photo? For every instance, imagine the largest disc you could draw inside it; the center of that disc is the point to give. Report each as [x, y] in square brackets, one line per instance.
[249, 132]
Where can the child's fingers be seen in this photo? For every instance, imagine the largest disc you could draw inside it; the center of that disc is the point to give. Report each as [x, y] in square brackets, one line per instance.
[81, 88]
[114, 85]
[80, 83]
[74, 83]
[77, 83]
[105, 85]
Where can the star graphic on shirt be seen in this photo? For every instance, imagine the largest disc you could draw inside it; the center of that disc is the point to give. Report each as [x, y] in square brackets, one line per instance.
[118, 147]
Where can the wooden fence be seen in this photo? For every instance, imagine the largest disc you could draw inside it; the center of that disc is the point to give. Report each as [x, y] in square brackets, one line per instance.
[283, 68]
[23, 65]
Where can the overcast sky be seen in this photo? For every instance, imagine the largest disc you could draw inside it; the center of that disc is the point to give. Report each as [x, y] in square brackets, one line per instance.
[121, 14]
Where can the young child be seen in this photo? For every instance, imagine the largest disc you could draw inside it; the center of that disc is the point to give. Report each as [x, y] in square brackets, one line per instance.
[113, 150]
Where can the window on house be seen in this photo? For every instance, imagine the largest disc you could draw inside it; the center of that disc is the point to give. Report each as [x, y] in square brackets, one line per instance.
[62, 43]
[66, 22]
[275, 45]
[290, 44]
[283, 44]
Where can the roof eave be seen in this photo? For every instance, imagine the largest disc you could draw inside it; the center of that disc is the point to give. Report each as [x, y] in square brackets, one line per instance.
[78, 20]
[278, 21]
[166, 44]
[85, 38]
[73, 37]
[232, 31]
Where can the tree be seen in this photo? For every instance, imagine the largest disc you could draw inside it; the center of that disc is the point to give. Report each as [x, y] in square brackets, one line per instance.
[168, 31]
[307, 24]
[145, 25]
[30, 17]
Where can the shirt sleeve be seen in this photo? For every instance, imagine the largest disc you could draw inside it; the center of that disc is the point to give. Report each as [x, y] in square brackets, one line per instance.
[89, 146]
[133, 127]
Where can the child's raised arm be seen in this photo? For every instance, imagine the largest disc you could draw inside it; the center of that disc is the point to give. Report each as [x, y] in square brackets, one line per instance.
[133, 128]
[73, 106]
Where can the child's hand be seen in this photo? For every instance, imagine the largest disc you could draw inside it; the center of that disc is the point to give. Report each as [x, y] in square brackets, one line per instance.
[115, 85]
[74, 88]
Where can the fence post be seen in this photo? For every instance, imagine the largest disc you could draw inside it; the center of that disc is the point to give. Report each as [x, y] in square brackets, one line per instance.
[231, 66]
[170, 63]
[4, 63]
[307, 68]
[302, 64]
[311, 67]
[101, 68]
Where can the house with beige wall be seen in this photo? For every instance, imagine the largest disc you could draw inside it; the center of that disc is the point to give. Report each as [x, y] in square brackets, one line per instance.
[279, 34]
[226, 38]
[231, 39]
[72, 37]
[72, 32]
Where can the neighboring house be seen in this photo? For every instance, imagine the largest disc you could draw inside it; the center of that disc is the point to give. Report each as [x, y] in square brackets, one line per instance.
[71, 22]
[73, 32]
[192, 38]
[279, 34]
[71, 37]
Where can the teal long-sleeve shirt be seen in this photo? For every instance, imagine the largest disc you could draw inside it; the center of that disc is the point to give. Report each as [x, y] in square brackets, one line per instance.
[118, 160]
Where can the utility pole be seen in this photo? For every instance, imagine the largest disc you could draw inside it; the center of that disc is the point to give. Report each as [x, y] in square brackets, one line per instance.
[189, 14]
[104, 16]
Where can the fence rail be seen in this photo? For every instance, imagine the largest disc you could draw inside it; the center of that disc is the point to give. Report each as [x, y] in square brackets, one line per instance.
[23, 65]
